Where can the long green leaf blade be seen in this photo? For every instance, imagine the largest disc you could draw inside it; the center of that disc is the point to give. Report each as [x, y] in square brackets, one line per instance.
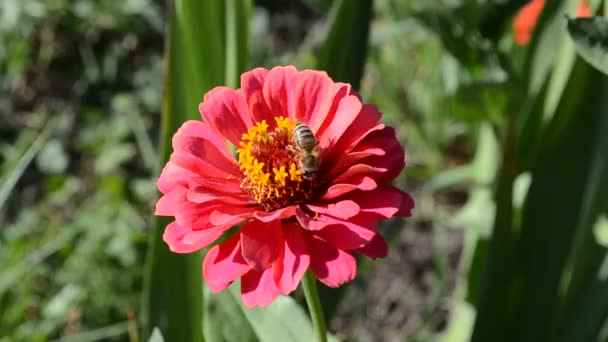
[585, 279]
[237, 38]
[559, 219]
[529, 288]
[195, 63]
[27, 147]
[344, 51]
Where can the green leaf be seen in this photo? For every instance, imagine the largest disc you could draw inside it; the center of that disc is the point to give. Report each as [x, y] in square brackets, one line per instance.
[156, 336]
[323, 5]
[125, 105]
[584, 283]
[541, 271]
[462, 317]
[479, 101]
[237, 34]
[600, 230]
[590, 36]
[112, 332]
[489, 288]
[539, 95]
[541, 52]
[477, 216]
[224, 318]
[552, 51]
[52, 159]
[585, 307]
[196, 60]
[27, 146]
[344, 52]
[564, 63]
[228, 319]
[458, 175]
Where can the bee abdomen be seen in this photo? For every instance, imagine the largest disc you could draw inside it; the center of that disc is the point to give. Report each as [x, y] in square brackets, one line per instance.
[304, 137]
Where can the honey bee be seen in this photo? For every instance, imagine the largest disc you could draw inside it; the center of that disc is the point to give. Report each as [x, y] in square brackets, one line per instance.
[307, 151]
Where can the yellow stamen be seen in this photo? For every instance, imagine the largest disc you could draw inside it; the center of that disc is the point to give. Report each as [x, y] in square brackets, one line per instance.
[294, 173]
[280, 175]
[270, 173]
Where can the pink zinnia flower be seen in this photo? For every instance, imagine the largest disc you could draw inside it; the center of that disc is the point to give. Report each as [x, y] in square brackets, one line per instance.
[291, 222]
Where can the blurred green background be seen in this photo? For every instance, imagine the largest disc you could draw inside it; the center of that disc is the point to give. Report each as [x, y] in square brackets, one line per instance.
[506, 151]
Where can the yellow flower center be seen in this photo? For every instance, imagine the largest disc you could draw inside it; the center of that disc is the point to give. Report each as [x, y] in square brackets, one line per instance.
[268, 160]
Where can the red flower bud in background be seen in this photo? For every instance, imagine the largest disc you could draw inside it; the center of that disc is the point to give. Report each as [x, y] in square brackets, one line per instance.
[526, 19]
[583, 11]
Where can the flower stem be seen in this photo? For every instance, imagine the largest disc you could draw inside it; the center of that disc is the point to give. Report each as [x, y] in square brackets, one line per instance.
[309, 283]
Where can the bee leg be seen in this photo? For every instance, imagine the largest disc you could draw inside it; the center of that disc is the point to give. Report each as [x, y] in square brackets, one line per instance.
[291, 149]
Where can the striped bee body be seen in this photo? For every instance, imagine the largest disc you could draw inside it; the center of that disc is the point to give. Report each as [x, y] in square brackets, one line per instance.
[304, 138]
[307, 151]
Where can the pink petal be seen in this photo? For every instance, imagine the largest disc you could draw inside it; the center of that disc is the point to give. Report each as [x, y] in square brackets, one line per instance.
[252, 84]
[341, 90]
[185, 240]
[314, 95]
[226, 111]
[361, 227]
[198, 166]
[386, 202]
[342, 210]
[363, 183]
[207, 152]
[307, 222]
[380, 143]
[201, 194]
[358, 171]
[213, 187]
[204, 183]
[407, 205]
[204, 237]
[258, 288]
[227, 214]
[208, 215]
[279, 90]
[377, 140]
[193, 128]
[347, 160]
[347, 236]
[348, 110]
[224, 263]
[295, 259]
[377, 248]
[173, 176]
[332, 266]
[278, 214]
[393, 159]
[365, 122]
[165, 205]
[262, 243]
[192, 215]
[353, 142]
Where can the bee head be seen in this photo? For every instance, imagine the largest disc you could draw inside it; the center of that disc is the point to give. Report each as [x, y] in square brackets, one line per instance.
[309, 175]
